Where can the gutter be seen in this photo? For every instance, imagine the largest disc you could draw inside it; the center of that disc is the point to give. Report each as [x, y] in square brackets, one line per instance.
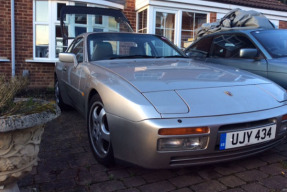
[13, 38]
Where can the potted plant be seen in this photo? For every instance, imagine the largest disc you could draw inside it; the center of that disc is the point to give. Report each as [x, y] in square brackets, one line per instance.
[21, 126]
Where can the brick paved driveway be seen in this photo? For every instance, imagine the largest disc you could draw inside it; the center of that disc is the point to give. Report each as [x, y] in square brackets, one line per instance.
[66, 164]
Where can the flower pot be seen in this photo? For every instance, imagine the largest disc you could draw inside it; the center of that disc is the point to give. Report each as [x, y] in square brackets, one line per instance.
[20, 137]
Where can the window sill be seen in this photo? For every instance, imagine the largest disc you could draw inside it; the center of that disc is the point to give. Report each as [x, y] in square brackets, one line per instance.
[41, 60]
[3, 59]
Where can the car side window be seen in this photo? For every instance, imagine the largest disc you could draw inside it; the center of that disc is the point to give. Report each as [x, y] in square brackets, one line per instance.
[201, 48]
[228, 46]
[78, 49]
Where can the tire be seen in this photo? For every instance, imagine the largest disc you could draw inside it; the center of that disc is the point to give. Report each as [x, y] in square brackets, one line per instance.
[58, 96]
[99, 133]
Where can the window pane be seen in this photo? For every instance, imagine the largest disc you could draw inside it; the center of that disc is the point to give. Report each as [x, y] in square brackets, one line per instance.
[80, 30]
[199, 20]
[187, 20]
[78, 50]
[112, 22]
[187, 33]
[81, 19]
[165, 24]
[61, 45]
[98, 19]
[42, 40]
[41, 11]
[128, 45]
[228, 46]
[142, 21]
[97, 30]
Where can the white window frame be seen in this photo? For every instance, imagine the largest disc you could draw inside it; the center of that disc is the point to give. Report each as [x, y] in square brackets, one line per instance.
[151, 18]
[171, 11]
[53, 22]
[137, 19]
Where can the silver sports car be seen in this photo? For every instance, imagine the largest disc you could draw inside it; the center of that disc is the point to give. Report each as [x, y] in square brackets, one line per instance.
[147, 104]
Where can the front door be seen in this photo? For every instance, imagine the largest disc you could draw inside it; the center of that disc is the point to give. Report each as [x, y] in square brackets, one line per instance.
[72, 73]
[225, 50]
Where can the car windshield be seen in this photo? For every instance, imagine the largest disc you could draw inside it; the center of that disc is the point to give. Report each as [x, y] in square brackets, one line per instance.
[274, 41]
[105, 46]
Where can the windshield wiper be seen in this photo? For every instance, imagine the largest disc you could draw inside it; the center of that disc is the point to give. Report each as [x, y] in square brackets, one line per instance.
[132, 57]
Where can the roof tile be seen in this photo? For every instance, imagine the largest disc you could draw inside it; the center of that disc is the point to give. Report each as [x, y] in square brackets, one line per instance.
[263, 4]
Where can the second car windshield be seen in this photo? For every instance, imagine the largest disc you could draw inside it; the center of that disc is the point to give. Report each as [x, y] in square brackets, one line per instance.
[274, 41]
[104, 46]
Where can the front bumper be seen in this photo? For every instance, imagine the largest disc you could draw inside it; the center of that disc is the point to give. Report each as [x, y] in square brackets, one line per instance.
[136, 142]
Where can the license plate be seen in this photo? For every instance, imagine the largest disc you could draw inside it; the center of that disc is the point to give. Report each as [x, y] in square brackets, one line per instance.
[247, 137]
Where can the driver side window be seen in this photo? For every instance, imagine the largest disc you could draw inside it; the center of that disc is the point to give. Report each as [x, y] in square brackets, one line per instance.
[228, 46]
[78, 49]
[200, 49]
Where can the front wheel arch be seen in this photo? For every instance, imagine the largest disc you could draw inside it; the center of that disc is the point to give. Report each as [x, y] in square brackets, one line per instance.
[98, 131]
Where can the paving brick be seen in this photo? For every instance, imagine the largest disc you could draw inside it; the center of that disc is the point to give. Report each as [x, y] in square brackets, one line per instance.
[65, 184]
[67, 174]
[185, 180]
[156, 187]
[252, 162]
[209, 173]
[255, 187]
[228, 169]
[273, 169]
[100, 177]
[188, 170]
[120, 173]
[89, 176]
[83, 177]
[134, 181]
[97, 167]
[211, 185]
[275, 182]
[107, 186]
[44, 177]
[272, 158]
[160, 175]
[251, 175]
[231, 181]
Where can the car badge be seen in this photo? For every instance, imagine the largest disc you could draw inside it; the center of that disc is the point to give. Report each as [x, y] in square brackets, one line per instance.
[228, 93]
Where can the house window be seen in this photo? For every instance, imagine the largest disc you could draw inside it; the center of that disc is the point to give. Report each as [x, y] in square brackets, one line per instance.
[190, 22]
[165, 24]
[48, 41]
[41, 29]
[142, 21]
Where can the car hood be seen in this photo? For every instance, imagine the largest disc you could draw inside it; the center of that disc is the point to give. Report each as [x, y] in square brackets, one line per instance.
[149, 75]
[184, 88]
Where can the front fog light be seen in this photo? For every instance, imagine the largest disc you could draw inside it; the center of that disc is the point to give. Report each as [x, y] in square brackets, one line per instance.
[182, 144]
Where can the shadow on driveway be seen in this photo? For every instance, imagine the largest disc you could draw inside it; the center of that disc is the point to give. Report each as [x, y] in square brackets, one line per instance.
[67, 164]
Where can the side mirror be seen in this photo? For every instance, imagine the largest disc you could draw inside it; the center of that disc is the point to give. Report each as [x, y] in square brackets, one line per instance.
[68, 58]
[248, 53]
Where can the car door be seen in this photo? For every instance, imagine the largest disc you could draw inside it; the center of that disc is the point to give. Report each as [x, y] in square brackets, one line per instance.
[72, 73]
[225, 49]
